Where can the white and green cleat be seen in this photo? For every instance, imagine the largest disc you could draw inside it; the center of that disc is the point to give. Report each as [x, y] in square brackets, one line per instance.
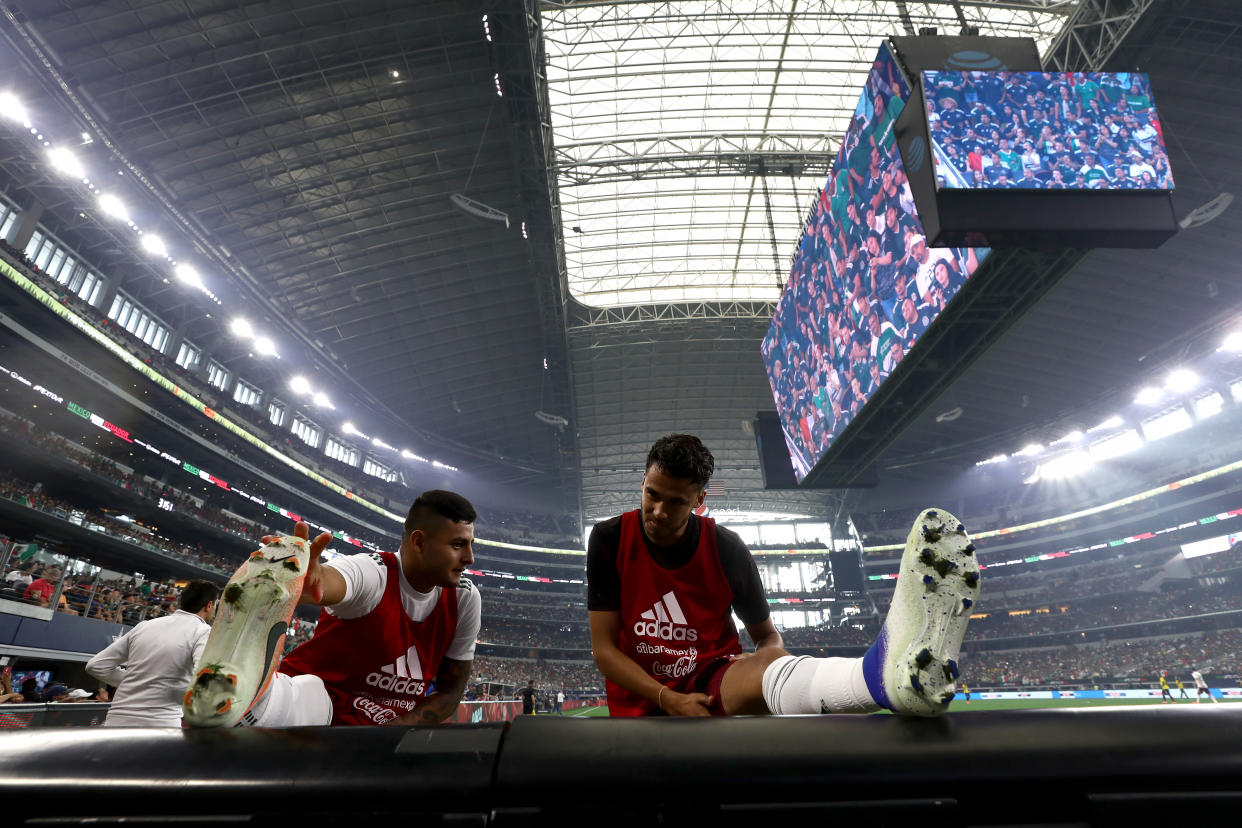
[248, 635]
[912, 666]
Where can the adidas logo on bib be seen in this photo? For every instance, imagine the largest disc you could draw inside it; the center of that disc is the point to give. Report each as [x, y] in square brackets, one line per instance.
[404, 676]
[665, 621]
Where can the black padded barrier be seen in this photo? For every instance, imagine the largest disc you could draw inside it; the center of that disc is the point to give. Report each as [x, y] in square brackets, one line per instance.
[1121, 766]
[359, 776]
[1094, 767]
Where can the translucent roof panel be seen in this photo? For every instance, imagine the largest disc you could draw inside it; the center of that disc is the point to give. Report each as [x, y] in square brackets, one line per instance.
[669, 119]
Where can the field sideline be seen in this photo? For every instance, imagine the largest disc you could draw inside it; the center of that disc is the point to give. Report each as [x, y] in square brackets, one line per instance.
[979, 705]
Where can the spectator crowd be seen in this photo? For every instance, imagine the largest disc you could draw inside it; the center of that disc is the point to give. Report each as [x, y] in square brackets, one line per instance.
[1046, 131]
[864, 283]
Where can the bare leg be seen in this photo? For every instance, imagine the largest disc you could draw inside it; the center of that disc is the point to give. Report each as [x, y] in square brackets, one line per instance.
[741, 689]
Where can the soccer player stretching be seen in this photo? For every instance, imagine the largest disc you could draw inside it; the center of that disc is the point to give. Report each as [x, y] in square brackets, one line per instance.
[391, 624]
[662, 583]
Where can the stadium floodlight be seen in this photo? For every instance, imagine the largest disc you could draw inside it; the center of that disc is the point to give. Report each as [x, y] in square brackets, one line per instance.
[154, 244]
[65, 161]
[1031, 449]
[113, 206]
[265, 346]
[300, 385]
[188, 275]
[1209, 405]
[1115, 446]
[1114, 421]
[1149, 395]
[1170, 422]
[321, 400]
[241, 327]
[999, 458]
[348, 428]
[1233, 342]
[11, 107]
[1073, 437]
[1181, 380]
[1066, 465]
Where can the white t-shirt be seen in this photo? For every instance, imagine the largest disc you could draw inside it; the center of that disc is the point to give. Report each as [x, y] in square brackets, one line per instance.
[1145, 135]
[366, 578]
[151, 665]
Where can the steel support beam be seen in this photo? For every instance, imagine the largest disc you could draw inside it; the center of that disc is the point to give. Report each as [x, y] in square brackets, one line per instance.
[590, 317]
[1093, 34]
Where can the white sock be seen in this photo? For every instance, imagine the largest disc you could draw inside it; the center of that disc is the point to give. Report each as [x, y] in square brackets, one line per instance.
[803, 684]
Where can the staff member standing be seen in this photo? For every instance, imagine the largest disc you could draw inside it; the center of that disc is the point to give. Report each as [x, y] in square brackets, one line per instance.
[527, 695]
[151, 664]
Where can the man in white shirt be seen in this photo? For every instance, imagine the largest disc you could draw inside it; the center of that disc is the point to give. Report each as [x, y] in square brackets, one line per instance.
[925, 260]
[19, 578]
[1138, 166]
[151, 664]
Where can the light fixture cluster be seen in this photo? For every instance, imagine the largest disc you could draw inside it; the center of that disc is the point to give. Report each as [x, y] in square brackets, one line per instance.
[1179, 381]
[1076, 456]
[301, 385]
[65, 162]
[348, 428]
[262, 345]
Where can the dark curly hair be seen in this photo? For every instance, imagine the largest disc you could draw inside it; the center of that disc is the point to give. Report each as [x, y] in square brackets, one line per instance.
[683, 456]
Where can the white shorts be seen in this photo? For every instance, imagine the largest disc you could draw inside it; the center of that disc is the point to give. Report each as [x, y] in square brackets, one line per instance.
[292, 701]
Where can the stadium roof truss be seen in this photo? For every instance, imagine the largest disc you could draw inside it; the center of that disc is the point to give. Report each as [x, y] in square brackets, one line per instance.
[691, 137]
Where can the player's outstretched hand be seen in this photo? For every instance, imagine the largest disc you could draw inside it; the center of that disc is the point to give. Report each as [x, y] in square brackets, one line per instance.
[687, 704]
[312, 585]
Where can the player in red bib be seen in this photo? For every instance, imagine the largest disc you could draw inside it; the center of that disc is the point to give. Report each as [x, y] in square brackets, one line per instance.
[663, 584]
[391, 625]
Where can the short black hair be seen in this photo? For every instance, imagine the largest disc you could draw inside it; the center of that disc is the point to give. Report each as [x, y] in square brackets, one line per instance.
[437, 503]
[682, 456]
[197, 594]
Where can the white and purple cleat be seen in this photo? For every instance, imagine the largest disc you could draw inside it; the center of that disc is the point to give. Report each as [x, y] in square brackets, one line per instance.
[912, 666]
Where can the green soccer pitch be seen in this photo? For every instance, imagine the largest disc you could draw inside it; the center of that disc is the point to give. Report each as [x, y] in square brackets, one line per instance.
[979, 705]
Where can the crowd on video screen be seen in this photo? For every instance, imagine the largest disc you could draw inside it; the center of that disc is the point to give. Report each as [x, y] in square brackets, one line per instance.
[864, 283]
[1045, 131]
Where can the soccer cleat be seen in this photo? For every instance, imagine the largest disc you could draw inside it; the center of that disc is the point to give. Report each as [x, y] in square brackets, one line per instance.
[912, 666]
[248, 635]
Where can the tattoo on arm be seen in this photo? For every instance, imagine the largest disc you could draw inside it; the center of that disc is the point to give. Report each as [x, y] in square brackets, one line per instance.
[450, 685]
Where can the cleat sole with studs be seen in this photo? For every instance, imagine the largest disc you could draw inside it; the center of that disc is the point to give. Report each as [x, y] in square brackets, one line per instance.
[247, 636]
[937, 586]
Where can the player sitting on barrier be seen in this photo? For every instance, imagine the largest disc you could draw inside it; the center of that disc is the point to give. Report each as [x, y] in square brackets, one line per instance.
[663, 582]
[390, 625]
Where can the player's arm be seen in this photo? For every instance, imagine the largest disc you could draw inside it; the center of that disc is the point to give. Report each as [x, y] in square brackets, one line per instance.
[620, 668]
[450, 686]
[765, 634]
